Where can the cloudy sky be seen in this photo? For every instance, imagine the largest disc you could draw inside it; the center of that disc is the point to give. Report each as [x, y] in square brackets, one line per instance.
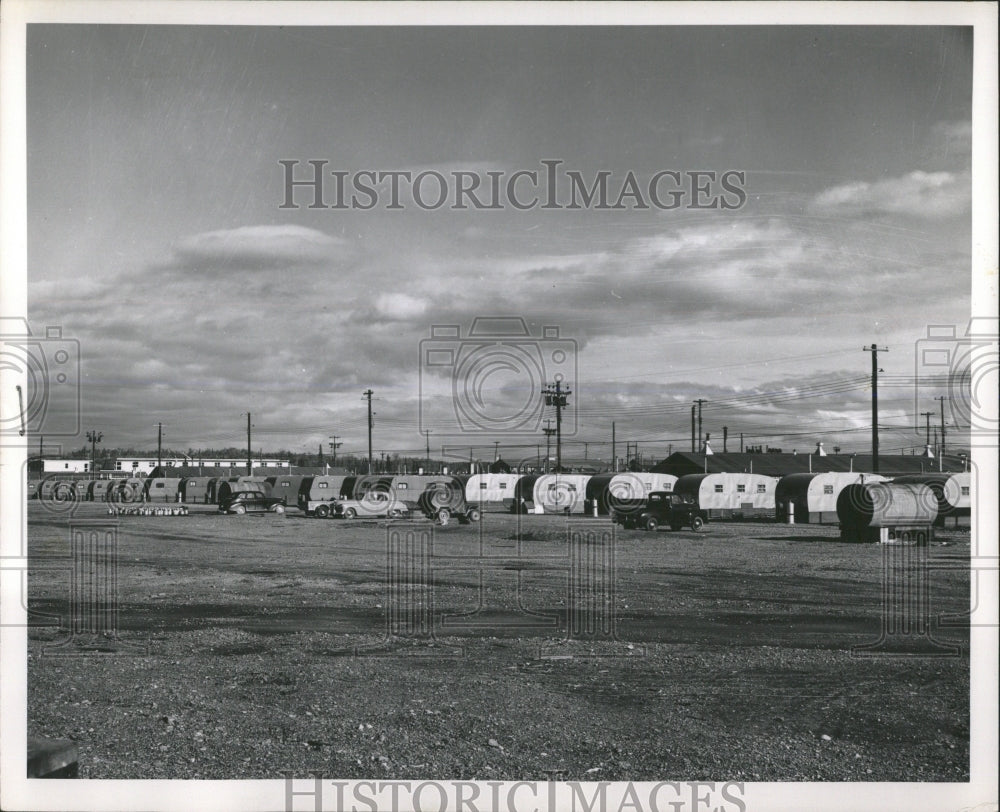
[157, 236]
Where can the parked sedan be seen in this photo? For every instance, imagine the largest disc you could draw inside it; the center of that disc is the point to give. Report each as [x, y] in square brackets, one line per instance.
[252, 502]
[373, 505]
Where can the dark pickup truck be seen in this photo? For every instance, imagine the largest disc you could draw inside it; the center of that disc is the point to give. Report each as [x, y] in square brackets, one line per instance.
[663, 508]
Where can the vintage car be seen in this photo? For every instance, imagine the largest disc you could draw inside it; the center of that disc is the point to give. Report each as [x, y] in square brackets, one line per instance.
[373, 505]
[251, 502]
[663, 508]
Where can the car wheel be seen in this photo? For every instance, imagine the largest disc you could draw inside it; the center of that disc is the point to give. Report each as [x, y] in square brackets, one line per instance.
[322, 511]
[279, 509]
[350, 513]
[652, 525]
[444, 516]
[239, 510]
[697, 523]
[474, 515]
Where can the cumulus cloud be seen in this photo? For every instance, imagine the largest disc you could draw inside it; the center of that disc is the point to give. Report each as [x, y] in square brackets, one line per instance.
[951, 139]
[925, 195]
[260, 248]
[400, 306]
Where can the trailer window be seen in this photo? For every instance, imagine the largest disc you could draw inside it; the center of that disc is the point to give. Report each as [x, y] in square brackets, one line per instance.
[503, 486]
[402, 486]
[718, 489]
[482, 486]
[965, 490]
[741, 489]
[323, 485]
[828, 489]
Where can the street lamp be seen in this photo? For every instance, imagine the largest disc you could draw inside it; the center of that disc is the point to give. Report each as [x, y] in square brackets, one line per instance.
[95, 437]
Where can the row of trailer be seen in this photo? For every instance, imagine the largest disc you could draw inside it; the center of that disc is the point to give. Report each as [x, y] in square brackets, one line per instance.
[795, 498]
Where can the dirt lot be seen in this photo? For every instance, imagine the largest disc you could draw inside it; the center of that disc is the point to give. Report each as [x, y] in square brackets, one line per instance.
[248, 645]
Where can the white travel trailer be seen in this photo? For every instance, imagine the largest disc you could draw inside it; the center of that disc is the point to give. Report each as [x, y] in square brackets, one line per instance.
[561, 493]
[624, 491]
[730, 495]
[812, 498]
[485, 490]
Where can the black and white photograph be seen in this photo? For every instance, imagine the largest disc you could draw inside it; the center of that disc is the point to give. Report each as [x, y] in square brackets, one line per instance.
[499, 406]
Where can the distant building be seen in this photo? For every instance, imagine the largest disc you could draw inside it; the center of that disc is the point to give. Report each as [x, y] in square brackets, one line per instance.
[65, 466]
[143, 466]
[682, 463]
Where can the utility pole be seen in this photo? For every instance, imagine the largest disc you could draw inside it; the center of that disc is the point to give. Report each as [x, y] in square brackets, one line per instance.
[249, 449]
[95, 437]
[741, 442]
[874, 350]
[725, 438]
[942, 399]
[693, 449]
[700, 401]
[557, 396]
[159, 444]
[614, 456]
[927, 415]
[496, 450]
[368, 394]
[585, 450]
[549, 431]
[334, 445]
[428, 469]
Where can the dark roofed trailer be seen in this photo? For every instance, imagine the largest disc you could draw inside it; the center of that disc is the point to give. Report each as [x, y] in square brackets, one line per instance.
[100, 490]
[286, 487]
[163, 489]
[127, 490]
[524, 494]
[194, 490]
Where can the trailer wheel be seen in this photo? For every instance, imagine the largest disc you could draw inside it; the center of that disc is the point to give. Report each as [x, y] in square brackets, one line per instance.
[443, 516]
[474, 515]
[322, 511]
[652, 525]
[350, 513]
[697, 523]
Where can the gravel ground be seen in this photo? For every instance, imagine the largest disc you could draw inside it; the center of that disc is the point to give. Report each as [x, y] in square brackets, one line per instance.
[251, 645]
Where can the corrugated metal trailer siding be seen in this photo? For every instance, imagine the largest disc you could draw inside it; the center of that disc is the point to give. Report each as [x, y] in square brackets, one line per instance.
[162, 489]
[561, 493]
[194, 490]
[486, 490]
